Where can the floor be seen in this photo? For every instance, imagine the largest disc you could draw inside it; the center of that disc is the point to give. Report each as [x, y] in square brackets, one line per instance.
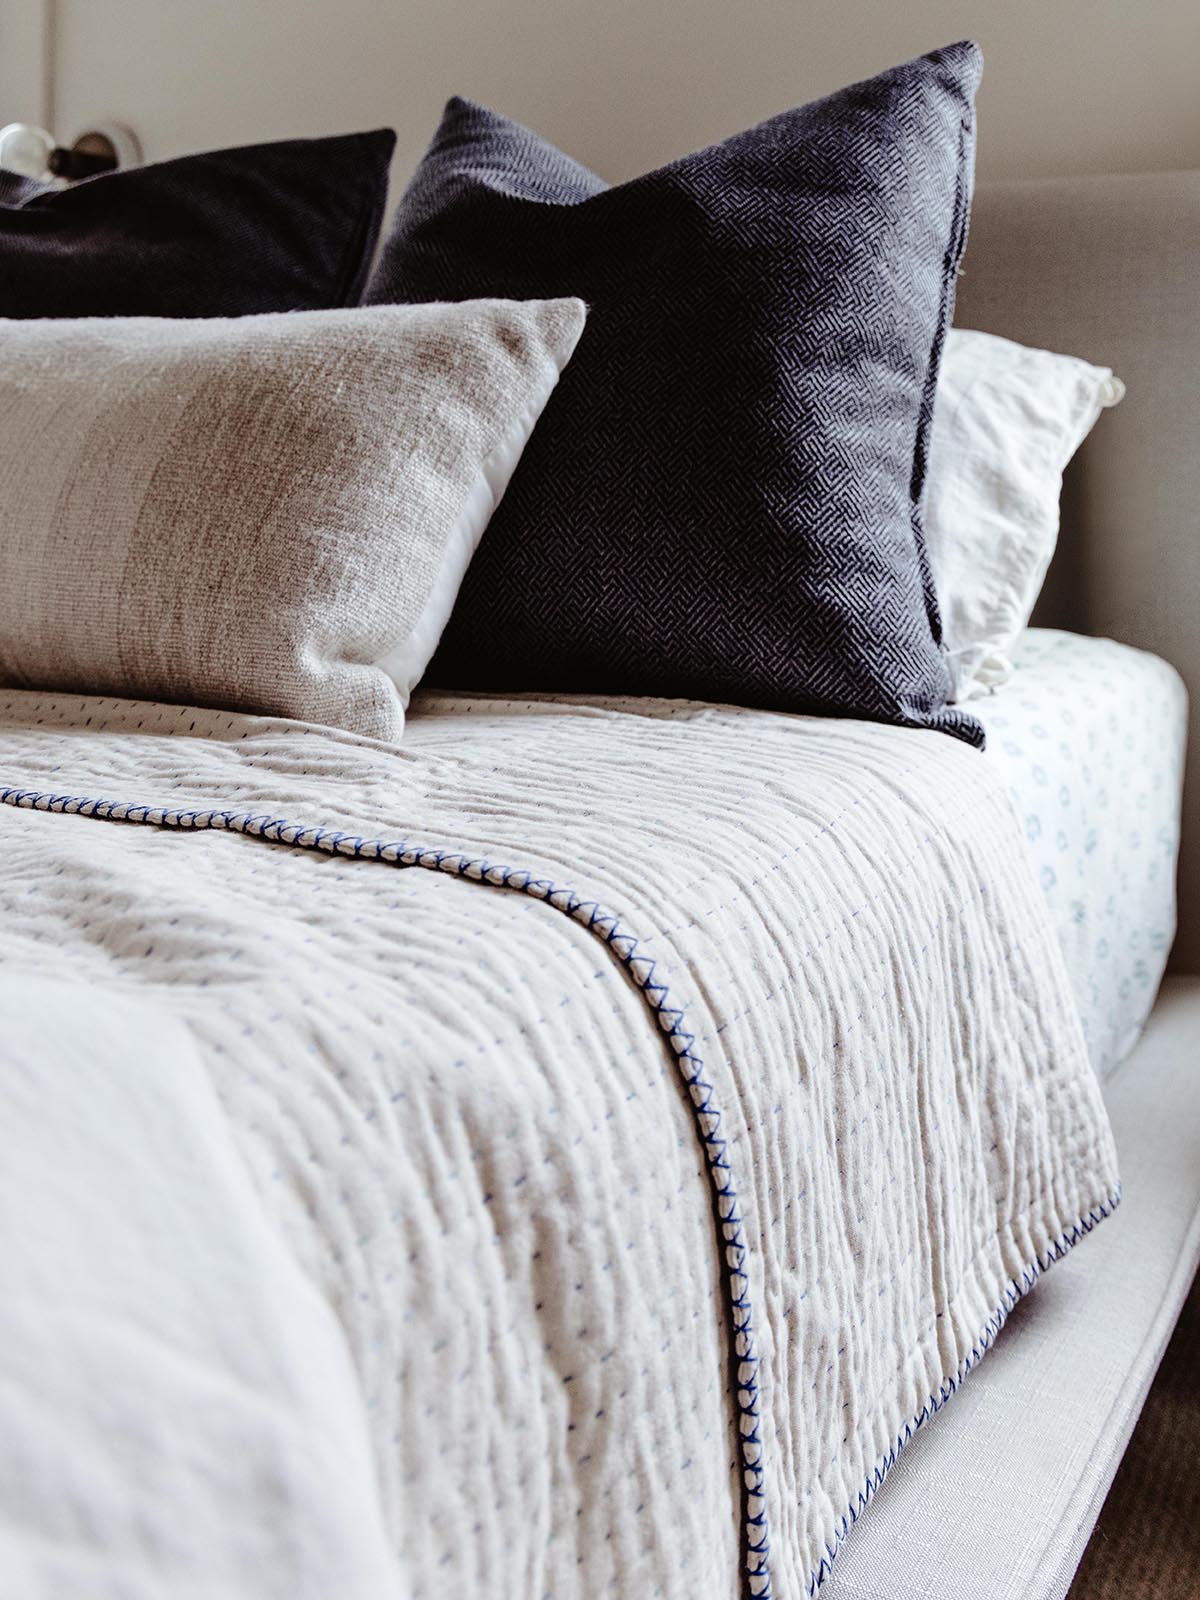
[1146, 1545]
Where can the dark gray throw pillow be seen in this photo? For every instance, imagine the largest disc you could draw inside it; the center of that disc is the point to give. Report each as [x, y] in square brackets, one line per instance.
[275, 227]
[721, 499]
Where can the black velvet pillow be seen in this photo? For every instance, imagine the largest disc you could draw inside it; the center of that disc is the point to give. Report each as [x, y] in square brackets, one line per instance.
[273, 227]
[721, 499]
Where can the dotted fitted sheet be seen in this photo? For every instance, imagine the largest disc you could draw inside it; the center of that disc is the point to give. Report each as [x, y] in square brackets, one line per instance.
[1090, 737]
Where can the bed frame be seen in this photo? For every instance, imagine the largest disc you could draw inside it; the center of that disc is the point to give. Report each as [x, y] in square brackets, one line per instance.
[996, 1498]
[1109, 269]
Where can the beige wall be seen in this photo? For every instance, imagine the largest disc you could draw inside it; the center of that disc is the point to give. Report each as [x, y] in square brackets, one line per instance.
[1071, 85]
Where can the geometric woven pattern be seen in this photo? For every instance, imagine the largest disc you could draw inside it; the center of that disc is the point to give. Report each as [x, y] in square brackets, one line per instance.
[273, 227]
[721, 499]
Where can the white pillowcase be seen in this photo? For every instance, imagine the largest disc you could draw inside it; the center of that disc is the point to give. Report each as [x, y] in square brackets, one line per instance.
[1006, 421]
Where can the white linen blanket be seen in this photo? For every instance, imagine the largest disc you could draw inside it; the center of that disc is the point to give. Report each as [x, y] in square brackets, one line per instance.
[623, 1308]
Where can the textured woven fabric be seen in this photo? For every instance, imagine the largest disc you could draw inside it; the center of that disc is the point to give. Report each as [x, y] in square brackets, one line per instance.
[996, 1500]
[1105, 268]
[1157, 1487]
[134, 1247]
[276, 227]
[255, 511]
[802, 961]
[721, 500]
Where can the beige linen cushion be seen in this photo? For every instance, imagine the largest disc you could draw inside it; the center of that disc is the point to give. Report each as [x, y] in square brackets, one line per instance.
[267, 513]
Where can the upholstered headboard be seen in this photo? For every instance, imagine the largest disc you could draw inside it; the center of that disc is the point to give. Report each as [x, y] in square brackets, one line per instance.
[1109, 269]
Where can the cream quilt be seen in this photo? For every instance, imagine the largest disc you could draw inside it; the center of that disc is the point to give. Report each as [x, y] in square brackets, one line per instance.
[595, 1213]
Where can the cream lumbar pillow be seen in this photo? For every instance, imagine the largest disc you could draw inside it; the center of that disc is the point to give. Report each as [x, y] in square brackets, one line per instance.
[265, 513]
[1006, 421]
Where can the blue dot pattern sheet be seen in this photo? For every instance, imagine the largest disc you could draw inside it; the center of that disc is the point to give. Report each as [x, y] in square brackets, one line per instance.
[1089, 737]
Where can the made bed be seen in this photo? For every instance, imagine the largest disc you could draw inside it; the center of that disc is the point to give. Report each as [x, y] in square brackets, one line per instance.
[1001, 1496]
[603, 1134]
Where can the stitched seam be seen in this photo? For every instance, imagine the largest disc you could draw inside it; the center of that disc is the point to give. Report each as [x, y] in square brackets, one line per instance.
[732, 1245]
[971, 1266]
[1016, 1290]
[641, 969]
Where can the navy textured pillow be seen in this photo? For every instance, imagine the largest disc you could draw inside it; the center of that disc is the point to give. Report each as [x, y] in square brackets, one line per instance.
[274, 227]
[721, 499]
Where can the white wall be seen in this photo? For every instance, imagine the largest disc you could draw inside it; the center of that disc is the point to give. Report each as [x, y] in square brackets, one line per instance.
[24, 61]
[1071, 85]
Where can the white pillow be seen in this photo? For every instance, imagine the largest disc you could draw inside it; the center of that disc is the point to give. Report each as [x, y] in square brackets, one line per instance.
[1006, 421]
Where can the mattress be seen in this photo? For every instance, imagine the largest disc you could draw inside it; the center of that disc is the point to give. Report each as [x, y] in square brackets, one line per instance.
[997, 1499]
[1089, 738]
[652, 1113]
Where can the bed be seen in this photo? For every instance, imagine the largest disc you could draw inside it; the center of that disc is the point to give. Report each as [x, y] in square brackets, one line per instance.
[1090, 739]
[547, 1223]
[519, 1177]
[1001, 1496]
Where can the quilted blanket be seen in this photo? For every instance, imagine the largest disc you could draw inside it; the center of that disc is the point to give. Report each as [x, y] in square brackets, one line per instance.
[566, 1155]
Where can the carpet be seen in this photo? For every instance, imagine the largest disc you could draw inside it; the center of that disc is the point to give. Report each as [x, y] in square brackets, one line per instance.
[1146, 1544]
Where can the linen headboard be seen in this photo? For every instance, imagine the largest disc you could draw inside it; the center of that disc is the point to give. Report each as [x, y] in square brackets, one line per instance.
[1108, 268]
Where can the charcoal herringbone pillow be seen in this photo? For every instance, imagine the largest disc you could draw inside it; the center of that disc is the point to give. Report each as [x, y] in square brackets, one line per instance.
[721, 499]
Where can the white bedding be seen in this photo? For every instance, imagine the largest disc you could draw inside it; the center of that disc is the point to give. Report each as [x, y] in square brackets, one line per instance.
[457, 1094]
[1089, 736]
[175, 1389]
